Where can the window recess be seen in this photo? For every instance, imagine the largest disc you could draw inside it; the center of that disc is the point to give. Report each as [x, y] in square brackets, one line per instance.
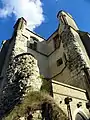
[32, 44]
[59, 62]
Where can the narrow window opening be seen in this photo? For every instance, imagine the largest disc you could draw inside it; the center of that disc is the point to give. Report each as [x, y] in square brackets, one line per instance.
[56, 42]
[32, 44]
[63, 18]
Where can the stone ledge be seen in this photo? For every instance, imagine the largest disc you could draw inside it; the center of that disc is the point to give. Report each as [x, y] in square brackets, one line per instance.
[65, 85]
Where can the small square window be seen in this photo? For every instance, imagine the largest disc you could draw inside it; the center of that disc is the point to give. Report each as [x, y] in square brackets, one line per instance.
[59, 62]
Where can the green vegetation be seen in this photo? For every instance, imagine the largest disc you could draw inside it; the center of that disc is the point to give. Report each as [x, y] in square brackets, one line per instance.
[46, 85]
[34, 100]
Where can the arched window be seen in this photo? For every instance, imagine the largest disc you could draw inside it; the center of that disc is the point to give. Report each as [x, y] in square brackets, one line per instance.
[80, 116]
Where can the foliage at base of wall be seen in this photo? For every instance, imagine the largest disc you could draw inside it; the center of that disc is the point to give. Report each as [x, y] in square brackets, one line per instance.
[34, 100]
[46, 85]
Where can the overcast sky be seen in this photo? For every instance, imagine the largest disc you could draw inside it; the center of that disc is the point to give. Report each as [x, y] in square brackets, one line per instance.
[41, 15]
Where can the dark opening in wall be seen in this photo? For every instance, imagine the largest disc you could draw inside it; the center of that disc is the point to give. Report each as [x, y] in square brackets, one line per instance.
[32, 44]
[32, 38]
[63, 19]
[59, 62]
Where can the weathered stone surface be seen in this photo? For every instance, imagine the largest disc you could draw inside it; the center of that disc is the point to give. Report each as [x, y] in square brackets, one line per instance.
[75, 58]
[22, 76]
[21, 72]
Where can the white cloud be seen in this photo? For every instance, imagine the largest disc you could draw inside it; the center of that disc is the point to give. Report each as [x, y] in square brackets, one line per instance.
[31, 10]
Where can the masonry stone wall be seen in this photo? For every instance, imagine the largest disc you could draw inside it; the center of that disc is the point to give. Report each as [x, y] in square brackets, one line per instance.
[75, 58]
[22, 47]
[73, 74]
[22, 76]
[23, 68]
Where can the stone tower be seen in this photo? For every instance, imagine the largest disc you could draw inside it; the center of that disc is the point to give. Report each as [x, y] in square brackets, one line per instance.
[56, 69]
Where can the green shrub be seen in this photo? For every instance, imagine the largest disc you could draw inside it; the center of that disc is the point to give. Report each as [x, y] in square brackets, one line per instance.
[34, 100]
